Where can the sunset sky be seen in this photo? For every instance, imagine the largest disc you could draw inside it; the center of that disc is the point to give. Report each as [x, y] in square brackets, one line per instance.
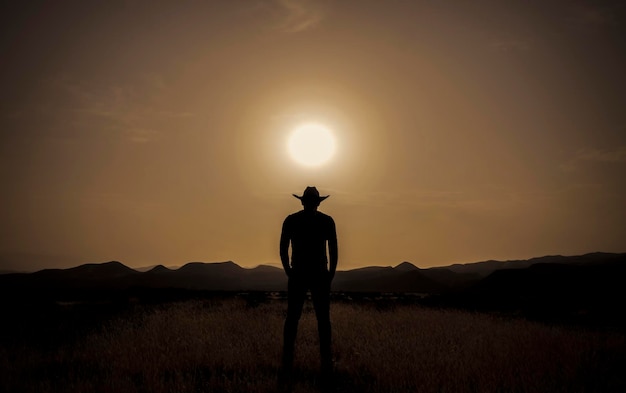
[155, 132]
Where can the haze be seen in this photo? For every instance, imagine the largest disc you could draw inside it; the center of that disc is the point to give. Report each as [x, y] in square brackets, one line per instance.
[155, 132]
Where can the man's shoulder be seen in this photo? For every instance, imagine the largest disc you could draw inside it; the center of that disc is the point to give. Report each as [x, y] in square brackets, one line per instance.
[325, 216]
[294, 215]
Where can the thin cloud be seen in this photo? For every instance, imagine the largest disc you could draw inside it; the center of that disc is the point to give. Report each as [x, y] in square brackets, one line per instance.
[592, 14]
[129, 109]
[610, 156]
[299, 15]
[607, 155]
[141, 135]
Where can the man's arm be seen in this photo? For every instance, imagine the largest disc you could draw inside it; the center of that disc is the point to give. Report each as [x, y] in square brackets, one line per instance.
[333, 251]
[284, 247]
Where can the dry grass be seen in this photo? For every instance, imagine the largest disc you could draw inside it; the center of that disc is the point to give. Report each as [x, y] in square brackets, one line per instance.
[209, 346]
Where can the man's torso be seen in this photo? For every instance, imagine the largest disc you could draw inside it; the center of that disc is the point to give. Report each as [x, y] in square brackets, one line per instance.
[309, 232]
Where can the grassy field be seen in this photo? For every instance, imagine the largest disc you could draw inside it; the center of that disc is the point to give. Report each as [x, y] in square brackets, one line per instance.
[230, 345]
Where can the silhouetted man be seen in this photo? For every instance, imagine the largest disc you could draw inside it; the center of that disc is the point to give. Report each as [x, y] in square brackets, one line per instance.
[309, 231]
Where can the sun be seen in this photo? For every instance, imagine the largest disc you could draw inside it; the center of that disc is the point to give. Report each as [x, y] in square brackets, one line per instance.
[311, 145]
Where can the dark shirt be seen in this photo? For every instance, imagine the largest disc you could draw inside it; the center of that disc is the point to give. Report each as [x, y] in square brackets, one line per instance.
[308, 231]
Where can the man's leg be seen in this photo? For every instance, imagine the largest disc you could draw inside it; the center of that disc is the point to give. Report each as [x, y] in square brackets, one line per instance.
[295, 300]
[320, 292]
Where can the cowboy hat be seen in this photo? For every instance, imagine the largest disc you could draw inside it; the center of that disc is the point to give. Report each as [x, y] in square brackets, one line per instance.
[311, 194]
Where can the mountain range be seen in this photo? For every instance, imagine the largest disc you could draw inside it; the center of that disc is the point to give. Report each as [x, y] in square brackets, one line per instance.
[554, 272]
[585, 289]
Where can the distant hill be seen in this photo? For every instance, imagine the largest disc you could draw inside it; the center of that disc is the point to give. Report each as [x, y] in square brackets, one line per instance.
[406, 267]
[588, 288]
[552, 280]
[157, 269]
[485, 268]
[89, 271]
[148, 268]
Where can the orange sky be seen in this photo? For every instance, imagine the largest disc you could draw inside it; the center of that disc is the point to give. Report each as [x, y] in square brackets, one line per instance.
[155, 132]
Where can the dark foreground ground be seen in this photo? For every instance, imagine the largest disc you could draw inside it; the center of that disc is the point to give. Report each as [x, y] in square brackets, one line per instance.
[233, 343]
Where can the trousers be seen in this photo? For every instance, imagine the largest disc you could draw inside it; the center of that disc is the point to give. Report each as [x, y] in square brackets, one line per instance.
[319, 285]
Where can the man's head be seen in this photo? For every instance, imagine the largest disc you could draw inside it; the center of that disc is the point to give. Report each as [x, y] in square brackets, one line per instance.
[311, 198]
